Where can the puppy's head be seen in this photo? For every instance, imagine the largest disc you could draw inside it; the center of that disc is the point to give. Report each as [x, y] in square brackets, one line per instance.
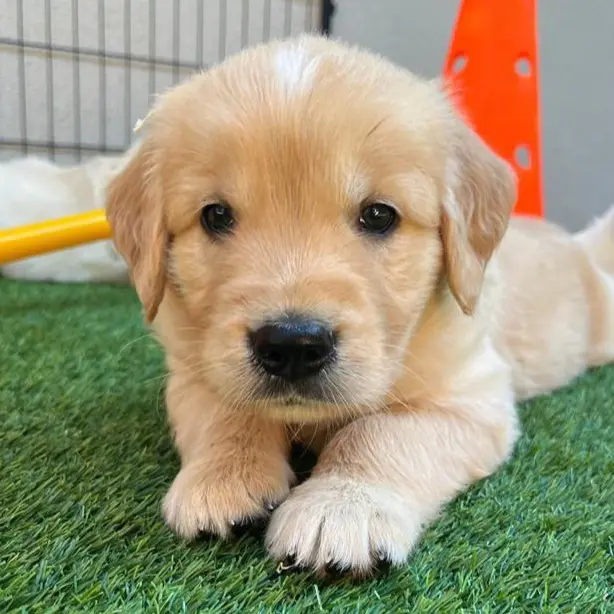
[301, 204]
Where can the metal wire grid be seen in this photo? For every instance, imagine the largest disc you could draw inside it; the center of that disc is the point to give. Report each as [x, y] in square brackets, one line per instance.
[75, 75]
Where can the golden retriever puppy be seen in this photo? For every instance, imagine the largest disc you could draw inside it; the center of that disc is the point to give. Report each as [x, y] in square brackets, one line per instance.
[313, 233]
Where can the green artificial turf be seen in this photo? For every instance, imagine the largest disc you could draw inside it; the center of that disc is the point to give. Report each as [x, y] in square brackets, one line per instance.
[86, 458]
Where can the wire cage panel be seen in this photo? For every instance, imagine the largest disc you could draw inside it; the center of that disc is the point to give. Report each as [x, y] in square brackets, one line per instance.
[77, 74]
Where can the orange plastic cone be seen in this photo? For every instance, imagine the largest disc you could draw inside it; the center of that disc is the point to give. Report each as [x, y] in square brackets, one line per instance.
[492, 68]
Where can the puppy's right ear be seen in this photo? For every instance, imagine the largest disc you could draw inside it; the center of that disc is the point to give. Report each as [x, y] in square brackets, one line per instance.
[136, 216]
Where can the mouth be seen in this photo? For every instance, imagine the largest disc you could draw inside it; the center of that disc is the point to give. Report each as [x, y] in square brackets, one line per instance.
[306, 401]
[298, 393]
[290, 405]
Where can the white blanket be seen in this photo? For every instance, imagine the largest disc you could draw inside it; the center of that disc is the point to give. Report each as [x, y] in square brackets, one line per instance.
[34, 190]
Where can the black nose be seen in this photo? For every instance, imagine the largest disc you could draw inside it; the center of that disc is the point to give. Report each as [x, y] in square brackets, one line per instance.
[293, 348]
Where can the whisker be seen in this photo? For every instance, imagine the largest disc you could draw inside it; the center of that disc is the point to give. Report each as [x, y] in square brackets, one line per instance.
[132, 342]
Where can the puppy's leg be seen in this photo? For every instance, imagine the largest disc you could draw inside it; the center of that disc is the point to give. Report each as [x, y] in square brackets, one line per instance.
[598, 242]
[602, 297]
[234, 465]
[382, 478]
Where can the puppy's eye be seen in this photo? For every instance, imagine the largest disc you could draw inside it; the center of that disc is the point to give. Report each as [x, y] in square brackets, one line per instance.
[217, 218]
[378, 219]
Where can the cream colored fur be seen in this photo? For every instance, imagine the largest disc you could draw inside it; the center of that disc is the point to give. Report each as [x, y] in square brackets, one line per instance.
[443, 325]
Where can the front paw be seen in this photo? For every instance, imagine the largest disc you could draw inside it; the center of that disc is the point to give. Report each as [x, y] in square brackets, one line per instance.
[332, 523]
[223, 500]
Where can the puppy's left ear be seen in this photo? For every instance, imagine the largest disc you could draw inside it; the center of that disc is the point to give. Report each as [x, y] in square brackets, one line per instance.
[136, 216]
[480, 197]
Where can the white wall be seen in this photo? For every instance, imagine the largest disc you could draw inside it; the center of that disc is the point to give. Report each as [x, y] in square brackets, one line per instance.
[577, 84]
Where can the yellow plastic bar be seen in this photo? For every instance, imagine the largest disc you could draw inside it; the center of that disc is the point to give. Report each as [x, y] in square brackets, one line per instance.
[52, 235]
